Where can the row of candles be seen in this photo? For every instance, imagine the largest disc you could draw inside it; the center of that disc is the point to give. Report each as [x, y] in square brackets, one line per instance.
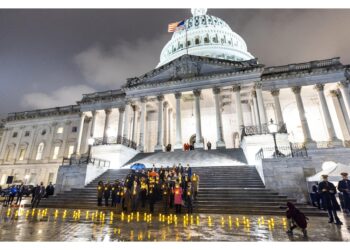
[148, 218]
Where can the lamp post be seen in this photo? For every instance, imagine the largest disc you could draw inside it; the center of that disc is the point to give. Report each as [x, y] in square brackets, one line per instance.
[91, 142]
[273, 129]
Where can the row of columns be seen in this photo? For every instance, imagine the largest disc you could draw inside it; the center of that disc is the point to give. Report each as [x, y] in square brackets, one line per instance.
[258, 108]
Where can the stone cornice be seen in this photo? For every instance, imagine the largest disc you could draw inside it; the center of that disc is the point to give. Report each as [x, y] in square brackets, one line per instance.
[41, 113]
[102, 97]
[302, 69]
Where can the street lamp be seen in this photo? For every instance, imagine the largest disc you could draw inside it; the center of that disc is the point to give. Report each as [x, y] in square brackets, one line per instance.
[273, 129]
[91, 142]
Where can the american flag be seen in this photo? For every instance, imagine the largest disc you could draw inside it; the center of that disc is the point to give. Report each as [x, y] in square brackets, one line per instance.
[172, 27]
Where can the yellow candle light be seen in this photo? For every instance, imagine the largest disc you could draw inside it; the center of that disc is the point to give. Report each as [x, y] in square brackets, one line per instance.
[191, 219]
[87, 215]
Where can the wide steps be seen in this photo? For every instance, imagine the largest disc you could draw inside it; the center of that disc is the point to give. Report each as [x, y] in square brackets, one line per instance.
[223, 190]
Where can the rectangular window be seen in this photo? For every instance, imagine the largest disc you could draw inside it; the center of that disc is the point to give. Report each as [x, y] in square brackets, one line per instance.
[60, 130]
[74, 129]
[21, 154]
[55, 152]
[27, 133]
[14, 134]
[70, 151]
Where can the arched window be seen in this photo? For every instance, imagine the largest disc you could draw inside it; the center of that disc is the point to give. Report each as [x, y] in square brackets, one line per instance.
[39, 154]
[206, 39]
[197, 41]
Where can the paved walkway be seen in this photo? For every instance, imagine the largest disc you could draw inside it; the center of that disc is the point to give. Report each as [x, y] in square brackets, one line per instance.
[58, 225]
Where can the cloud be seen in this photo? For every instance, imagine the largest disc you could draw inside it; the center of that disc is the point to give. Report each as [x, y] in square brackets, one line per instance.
[66, 95]
[111, 67]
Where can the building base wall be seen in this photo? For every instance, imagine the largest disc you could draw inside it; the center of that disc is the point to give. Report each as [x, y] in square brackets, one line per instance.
[29, 174]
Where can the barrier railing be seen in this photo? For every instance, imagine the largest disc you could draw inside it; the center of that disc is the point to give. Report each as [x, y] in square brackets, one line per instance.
[261, 130]
[287, 151]
[85, 160]
[115, 140]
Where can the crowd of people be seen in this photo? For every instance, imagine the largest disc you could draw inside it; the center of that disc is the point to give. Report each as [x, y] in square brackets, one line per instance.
[173, 188]
[37, 193]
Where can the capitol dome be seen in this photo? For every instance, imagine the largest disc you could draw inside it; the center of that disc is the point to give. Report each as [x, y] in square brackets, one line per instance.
[207, 36]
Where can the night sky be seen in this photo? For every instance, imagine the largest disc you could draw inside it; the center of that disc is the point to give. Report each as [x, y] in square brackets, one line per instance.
[49, 58]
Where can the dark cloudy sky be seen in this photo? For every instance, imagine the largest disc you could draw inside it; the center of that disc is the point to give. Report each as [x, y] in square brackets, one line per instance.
[49, 58]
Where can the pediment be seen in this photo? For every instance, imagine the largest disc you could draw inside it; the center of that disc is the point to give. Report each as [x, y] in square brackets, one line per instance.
[189, 66]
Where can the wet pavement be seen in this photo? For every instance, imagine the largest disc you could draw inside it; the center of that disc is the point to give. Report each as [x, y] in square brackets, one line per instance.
[24, 224]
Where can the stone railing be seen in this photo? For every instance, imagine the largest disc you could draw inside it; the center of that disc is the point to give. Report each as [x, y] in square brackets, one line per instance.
[288, 151]
[115, 140]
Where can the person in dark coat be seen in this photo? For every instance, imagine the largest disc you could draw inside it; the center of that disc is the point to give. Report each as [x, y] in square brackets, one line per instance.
[107, 193]
[296, 219]
[166, 196]
[143, 192]
[126, 200]
[50, 189]
[152, 197]
[189, 197]
[20, 194]
[100, 188]
[315, 196]
[209, 145]
[328, 191]
[39, 194]
[344, 188]
[114, 194]
[33, 193]
[135, 194]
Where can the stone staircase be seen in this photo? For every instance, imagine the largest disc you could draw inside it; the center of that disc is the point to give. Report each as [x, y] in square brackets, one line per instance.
[196, 158]
[222, 189]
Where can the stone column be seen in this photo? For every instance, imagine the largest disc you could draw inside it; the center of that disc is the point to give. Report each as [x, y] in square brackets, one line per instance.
[159, 146]
[170, 126]
[106, 125]
[344, 89]
[199, 140]
[304, 125]
[327, 116]
[178, 143]
[141, 146]
[340, 115]
[261, 106]
[165, 122]
[252, 114]
[278, 111]
[220, 143]
[80, 133]
[240, 121]
[120, 122]
[134, 120]
[126, 121]
[93, 123]
[256, 112]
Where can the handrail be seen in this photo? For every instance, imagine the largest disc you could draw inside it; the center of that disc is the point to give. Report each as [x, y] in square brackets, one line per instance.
[261, 130]
[291, 151]
[115, 140]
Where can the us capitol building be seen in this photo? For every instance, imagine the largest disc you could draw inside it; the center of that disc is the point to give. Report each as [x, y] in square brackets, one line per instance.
[207, 87]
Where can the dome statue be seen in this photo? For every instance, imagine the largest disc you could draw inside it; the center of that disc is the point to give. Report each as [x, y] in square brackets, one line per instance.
[207, 36]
